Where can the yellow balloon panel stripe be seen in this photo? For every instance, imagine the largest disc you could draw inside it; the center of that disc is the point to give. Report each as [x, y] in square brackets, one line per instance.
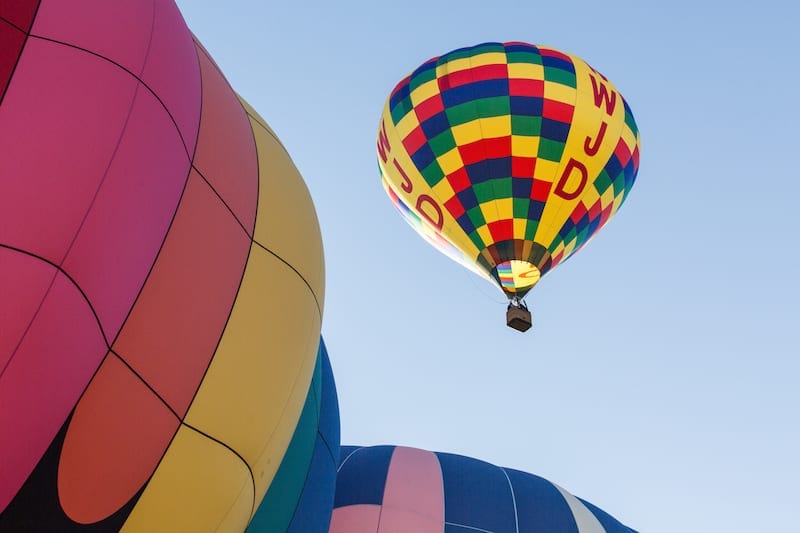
[287, 222]
[200, 485]
[251, 399]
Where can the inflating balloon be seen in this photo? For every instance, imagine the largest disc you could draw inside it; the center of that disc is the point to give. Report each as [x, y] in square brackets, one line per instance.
[161, 274]
[382, 489]
[507, 157]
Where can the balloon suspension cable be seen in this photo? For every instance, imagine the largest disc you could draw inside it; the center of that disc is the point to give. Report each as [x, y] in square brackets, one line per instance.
[487, 290]
[517, 315]
[516, 301]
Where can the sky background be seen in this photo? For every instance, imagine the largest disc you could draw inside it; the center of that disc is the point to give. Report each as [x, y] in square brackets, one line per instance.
[660, 379]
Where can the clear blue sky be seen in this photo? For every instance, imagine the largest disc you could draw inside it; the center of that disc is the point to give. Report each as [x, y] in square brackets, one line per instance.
[660, 381]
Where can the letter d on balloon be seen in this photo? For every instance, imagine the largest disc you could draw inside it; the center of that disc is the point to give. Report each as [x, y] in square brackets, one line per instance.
[563, 181]
[437, 222]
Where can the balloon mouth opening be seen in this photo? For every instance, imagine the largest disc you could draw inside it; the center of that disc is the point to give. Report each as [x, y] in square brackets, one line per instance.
[517, 277]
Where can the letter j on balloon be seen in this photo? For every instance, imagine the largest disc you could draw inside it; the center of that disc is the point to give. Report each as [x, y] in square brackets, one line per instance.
[508, 158]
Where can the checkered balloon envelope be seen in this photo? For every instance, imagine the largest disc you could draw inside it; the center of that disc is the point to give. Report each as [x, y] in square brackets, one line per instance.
[507, 157]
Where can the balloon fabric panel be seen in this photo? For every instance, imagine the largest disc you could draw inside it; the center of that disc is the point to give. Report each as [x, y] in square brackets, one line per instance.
[362, 518]
[204, 248]
[356, 488]
[15, 24]
[315, 506]
[148, 39]
[108, 453]
[24, 285]
[199, 484]
[101, 28]
[329, 419]
[414, 481]
[287, 226]
[551, 509]
[476, 494]
[112, 253]
[42, 166]
[40, 492]
[173, 59]
[225, 146]
[55, 356]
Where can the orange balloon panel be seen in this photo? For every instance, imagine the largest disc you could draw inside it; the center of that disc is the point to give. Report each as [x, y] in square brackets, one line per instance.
[116, 437]
[174, 329]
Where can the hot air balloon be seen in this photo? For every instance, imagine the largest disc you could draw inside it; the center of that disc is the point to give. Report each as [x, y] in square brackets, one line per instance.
[161, 274]
[382, 489]
[507, 157]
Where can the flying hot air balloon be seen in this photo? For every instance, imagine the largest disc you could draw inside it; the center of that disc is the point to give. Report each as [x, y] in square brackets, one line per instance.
[507, 157]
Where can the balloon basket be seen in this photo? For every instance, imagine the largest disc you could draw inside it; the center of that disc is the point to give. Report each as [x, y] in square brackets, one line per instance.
[518, 318]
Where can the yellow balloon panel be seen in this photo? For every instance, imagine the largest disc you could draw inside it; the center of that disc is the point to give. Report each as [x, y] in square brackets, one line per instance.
[200, 485]
[287, 222]
[256, 385]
